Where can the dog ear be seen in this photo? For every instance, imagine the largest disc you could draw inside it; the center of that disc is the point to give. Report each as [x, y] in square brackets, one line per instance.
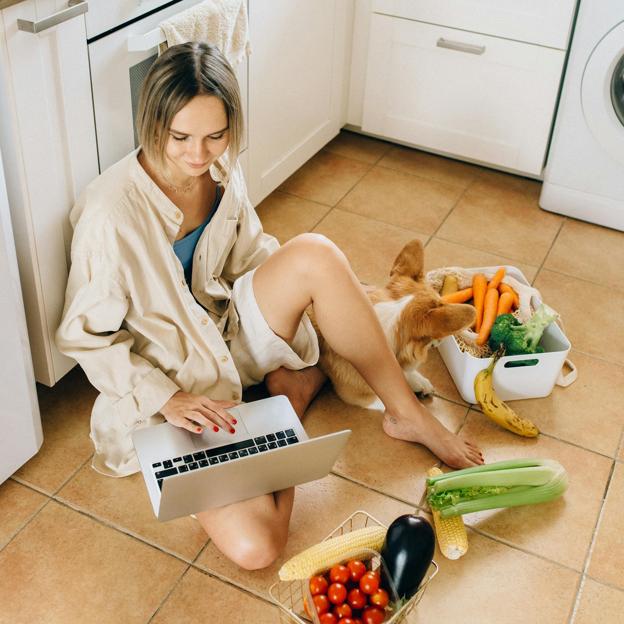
[410, 261]
[449, 318]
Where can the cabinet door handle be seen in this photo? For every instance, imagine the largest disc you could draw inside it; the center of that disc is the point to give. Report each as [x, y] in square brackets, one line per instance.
[459, 46]
[74, 8]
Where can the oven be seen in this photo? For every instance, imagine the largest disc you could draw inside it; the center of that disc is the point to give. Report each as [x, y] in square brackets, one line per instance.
[122, 39]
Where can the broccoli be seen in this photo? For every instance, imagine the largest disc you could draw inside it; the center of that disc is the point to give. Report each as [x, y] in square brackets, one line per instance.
[519, 338]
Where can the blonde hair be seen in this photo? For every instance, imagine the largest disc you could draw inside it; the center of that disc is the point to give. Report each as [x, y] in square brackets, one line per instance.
[182, 72]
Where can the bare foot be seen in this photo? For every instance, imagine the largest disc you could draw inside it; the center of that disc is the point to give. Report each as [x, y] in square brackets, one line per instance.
[424, 428]
[300, 386]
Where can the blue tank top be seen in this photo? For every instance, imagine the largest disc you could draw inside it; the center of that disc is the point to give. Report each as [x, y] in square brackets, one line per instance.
[185, 247]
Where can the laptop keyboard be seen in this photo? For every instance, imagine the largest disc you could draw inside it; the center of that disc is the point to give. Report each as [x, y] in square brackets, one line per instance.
[222, 454]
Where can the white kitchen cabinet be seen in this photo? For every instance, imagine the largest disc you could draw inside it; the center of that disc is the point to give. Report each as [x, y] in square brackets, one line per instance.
[47, 136]
[533, 21]
[465, 94]
[298, 83]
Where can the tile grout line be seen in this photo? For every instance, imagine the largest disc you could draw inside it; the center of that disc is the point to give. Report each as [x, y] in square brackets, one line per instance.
[562, 440]
[31, 486]
[596, 357]
[27, 523]
[168, 594]
[488, 251]
[231, 583]
[591, 547]
[121, 529]
[144, 541]
[372, 489]
[552, 244]
[450, 212]
[428, 178]
[526, 551]
[582, 279]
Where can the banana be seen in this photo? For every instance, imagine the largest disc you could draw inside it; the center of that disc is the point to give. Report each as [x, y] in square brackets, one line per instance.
[498, 410]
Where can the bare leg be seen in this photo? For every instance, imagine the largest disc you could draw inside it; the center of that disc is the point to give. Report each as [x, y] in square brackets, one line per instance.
[300, 386]
[310, 269]
[251, 533]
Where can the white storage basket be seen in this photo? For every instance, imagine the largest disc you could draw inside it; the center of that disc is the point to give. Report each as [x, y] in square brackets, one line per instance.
[515, 376]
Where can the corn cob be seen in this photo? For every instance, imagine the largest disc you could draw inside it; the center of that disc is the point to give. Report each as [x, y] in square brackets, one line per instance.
[332, 551]
[450, 532]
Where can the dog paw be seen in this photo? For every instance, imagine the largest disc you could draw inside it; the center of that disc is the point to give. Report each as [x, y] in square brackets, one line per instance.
[425, 390]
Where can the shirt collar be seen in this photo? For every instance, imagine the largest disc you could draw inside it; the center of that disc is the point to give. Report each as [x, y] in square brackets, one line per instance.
[172, 214]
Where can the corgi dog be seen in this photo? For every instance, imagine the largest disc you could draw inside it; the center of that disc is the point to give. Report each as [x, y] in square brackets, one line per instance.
[412, 316]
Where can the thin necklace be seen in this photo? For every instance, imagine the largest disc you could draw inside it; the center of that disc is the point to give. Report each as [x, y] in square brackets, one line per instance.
[182, 189]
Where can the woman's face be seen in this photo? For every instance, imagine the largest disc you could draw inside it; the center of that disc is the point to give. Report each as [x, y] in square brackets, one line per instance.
[198, 136]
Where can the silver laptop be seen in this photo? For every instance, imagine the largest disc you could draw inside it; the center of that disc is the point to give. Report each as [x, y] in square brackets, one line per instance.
[186, 473]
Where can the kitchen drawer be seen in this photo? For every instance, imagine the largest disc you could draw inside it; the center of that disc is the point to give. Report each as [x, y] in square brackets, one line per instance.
[490, 100]
[534, 21]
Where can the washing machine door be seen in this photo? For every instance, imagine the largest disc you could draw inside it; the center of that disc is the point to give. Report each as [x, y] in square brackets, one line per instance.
[602, 92]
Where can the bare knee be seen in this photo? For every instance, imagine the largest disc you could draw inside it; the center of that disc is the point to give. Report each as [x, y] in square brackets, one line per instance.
[255, 553]
[315, 254]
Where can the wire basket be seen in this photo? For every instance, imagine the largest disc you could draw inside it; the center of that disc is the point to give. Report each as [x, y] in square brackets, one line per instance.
[289, 595]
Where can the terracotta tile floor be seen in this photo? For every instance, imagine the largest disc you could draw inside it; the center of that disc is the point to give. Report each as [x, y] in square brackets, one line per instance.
[78, 547]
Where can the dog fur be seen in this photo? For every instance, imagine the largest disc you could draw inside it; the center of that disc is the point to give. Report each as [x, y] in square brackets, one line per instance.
[412, 316]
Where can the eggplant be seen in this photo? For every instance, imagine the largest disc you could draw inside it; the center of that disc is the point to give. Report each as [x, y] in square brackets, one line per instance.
[407, 553]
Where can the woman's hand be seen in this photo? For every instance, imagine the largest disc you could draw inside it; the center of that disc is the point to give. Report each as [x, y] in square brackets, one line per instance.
[194, 412]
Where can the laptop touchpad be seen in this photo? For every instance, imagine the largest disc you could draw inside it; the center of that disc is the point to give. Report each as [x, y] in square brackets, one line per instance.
[211, 438]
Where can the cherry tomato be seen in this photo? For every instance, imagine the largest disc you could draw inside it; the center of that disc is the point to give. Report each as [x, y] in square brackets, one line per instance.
[369, 583]
[337, 593]
[321, 602]
[356, 599]
[380, 598]
[339, 574]
[318, 585]
[346, 620]
[342, 610]
[328, 618]
[373, 615]
[357, 569]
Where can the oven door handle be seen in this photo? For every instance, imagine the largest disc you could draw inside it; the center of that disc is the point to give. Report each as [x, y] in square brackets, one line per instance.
[143, 43]
[74, 8]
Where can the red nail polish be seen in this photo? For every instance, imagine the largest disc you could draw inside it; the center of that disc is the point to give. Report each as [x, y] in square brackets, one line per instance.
[234, 421]
[215, 428]
[199, 429]
[232, 431]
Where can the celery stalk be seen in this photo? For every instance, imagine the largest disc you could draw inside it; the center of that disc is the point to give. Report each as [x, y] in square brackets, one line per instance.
[501, 465]
[533, 475]
[504, 484]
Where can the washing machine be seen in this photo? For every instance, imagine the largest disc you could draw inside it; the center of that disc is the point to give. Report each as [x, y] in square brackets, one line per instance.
[584, 174]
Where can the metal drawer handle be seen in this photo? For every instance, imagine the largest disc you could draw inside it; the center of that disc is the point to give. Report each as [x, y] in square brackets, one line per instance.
[461, 47]
[74, 8]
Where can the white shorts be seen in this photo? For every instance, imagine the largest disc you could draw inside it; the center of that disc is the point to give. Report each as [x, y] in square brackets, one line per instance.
[256, 349]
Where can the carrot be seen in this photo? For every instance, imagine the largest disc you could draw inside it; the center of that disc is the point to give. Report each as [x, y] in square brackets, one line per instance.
[506, 288]
[490, 307]
[505, 303]
[497, 279]
[479, 286]
[459, 296]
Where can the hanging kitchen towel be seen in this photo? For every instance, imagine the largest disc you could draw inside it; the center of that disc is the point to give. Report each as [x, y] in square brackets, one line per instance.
[222, 23]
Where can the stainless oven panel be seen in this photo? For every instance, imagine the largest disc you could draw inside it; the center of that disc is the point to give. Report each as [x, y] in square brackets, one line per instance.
[116, 77]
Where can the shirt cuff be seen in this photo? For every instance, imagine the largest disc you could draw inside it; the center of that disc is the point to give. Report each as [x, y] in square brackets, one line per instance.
[152, 392]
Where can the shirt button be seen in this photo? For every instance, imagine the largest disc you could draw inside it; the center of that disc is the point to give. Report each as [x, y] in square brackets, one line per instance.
[204, 321]
[235, 396]
[183, 282]
[178, 214]
[224, 358]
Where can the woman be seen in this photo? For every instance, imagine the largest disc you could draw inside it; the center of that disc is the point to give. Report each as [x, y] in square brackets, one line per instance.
[177, 300]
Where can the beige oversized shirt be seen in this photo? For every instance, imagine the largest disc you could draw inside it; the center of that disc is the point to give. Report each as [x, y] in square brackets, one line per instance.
[130, 319]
